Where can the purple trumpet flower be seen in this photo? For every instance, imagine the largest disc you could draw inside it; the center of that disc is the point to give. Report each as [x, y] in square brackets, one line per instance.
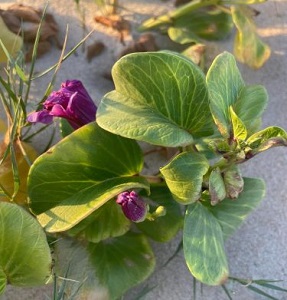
[134, 208]
[71, 102]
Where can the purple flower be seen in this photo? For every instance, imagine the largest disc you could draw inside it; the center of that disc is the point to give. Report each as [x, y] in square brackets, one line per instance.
[71, 102]
[134, 208]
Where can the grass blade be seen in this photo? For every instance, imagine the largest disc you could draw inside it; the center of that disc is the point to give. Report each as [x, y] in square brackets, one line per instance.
[226, 292]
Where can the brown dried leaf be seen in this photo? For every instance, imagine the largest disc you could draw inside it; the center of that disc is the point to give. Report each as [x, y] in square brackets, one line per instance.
[116, 22]
[12, 22]
[25, 13]
[25, 20]
[95, 49]
[145, 43]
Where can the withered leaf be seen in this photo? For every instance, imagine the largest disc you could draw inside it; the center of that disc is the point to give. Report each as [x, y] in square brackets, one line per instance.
[95, 49]
[146, 42]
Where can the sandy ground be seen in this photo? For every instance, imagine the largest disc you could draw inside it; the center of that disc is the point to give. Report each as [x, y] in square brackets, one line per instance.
[258, 249]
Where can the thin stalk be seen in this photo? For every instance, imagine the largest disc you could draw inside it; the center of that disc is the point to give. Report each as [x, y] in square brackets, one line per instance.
[64, 58]
[34, 54]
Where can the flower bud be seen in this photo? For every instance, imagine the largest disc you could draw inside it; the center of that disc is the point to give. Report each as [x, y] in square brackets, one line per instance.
[134, 208]
[71, 102]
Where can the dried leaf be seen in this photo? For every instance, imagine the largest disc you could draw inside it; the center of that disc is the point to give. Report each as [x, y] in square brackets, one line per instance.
[25, 21]
[145, 43]
[25, 13]
[11, 21]
[116, 22]
[95, 49]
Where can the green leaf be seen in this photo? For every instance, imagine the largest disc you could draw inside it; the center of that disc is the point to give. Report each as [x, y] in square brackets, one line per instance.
[184, 175]
[74, 271]
[248, 47]
[123, 262]
[267, 138]
[80, 174]
[163, 228]
[250, 105]
[160, 98]
[224, 83]
[216, 186]
[203, 246]
[238, 127]
[25, 258]
[206, 23]
[106, 222]
[231, 213]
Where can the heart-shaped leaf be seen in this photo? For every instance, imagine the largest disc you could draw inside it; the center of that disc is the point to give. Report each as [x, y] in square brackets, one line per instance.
[224, 83]
[160, 98]
[106, 222]
[248, 47]
[25, 258]
[163, 228]
[232, 213]
[184, 175]
[203, 246]
[80, 174]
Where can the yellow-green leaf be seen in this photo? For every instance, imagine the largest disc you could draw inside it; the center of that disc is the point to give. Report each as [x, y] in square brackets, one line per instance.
[248, 47]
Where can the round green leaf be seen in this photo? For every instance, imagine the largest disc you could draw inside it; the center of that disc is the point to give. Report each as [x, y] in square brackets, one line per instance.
[80, 174]
[160, 98]
[184, 175]
[104, 270]
[25, 258]
[203, 246]
[123, 262]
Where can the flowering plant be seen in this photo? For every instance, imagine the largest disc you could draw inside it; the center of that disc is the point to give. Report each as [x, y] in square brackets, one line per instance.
[92, 186]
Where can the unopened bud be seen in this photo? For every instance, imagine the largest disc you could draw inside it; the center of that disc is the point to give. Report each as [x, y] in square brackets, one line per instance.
[134, 208]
